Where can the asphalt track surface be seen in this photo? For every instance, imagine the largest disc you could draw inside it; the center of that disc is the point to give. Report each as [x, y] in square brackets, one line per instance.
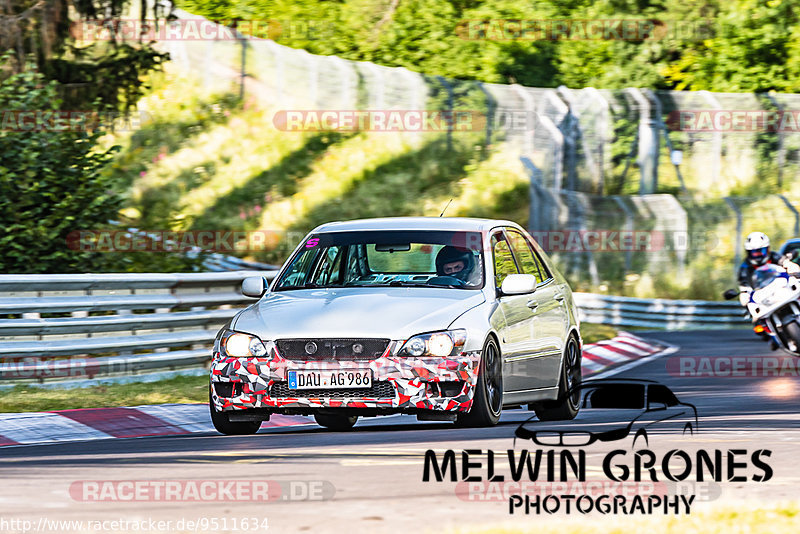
[370, 479]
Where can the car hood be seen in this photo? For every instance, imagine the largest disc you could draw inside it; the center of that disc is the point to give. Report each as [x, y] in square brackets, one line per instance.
[386, 312]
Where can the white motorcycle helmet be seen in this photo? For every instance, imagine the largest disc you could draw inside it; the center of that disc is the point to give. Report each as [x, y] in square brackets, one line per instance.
[757, 246]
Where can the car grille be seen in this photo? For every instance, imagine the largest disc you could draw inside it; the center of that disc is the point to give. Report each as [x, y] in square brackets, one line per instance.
[331, 349]
[379, 390]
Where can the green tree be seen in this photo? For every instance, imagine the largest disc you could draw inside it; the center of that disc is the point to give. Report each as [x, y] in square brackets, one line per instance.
[100, 70]
[50, 183]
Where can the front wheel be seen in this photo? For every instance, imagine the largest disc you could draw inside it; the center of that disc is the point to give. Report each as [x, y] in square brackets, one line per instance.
[566, 406]
[792, 331]
[224, 426]
[488, 401]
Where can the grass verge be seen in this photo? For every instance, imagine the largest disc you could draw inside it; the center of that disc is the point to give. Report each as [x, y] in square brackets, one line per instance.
[592, 333]
[180, 389]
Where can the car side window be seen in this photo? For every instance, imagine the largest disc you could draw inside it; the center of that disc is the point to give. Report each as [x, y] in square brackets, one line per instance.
[542, 265]
[525, 256]
[503, 259]
[661, 394]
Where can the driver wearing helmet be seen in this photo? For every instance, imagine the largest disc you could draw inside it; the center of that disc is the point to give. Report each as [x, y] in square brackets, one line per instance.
[456, 262]
[756, 245]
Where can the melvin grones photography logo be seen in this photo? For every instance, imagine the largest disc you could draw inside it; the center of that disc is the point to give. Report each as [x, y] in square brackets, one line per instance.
[559, 476]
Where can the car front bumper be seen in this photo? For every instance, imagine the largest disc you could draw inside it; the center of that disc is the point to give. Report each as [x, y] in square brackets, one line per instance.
[399, 384]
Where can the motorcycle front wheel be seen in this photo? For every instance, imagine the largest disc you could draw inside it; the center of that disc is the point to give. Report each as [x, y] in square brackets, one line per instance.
[792, 331]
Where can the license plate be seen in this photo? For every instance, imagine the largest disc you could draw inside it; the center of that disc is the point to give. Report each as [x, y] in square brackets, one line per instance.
[357, 378]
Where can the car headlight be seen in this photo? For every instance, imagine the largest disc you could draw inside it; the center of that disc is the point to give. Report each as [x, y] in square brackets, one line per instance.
[241, 345]
[446, 343]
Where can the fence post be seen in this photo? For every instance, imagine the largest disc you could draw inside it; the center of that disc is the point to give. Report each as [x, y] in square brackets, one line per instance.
[449, 89]
[278, 73]
[663, 127]
[491, 104]
[243, 69]
[716, 145]
[530, 111]
[571, 127]
[628, 227]
[781, 156]
[542, 216]
[737, 244]
[794, 211]
[648, 143]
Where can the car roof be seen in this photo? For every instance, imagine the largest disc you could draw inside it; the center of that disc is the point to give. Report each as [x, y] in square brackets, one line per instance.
[415, 223]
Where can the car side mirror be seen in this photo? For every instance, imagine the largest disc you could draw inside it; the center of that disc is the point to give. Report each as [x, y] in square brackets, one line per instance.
[651, 406]
[254, 286]
[730, 294]
[518, 284]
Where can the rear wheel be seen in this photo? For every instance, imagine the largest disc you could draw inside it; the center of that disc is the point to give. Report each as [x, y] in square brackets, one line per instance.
[335, 421]
[566, 407]
[488, 401]
[224, 426]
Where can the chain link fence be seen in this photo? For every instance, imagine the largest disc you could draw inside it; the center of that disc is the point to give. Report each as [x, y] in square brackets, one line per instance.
[597, 159]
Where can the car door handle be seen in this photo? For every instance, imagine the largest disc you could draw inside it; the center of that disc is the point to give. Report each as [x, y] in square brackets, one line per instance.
[559, 297]
[532, 304]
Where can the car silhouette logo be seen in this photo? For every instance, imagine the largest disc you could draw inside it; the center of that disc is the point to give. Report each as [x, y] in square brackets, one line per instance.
[612, 410]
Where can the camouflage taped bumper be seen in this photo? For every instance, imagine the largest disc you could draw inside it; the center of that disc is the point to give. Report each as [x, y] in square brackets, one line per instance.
[409, 379]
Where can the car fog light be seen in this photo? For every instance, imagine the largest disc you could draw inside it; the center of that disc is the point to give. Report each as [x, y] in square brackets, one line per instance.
[440, 345]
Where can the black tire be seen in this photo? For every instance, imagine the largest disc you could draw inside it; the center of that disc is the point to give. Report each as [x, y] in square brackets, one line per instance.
[566, 407]
[224, 426]
[337, 422]
[487, 405]
[792, 331]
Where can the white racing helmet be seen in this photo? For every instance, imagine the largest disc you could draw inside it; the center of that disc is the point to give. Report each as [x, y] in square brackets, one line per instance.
[757, 246]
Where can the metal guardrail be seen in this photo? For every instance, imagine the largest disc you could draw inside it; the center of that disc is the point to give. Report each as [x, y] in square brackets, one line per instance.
[658, 313]
[94, 326]
[90, 326]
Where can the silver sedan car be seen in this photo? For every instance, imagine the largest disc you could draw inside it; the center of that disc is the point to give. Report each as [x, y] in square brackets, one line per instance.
[450, 319]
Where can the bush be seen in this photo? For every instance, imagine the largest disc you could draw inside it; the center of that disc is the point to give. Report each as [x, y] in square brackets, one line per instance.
[50, 183]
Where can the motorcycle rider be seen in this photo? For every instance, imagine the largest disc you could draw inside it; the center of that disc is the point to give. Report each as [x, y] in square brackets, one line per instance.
[758, 254]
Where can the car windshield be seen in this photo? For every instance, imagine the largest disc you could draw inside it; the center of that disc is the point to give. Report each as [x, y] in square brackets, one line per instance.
[386, 258]
[763, 276]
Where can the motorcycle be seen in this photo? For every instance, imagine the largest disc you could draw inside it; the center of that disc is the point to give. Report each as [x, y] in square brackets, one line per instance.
[774, 306]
